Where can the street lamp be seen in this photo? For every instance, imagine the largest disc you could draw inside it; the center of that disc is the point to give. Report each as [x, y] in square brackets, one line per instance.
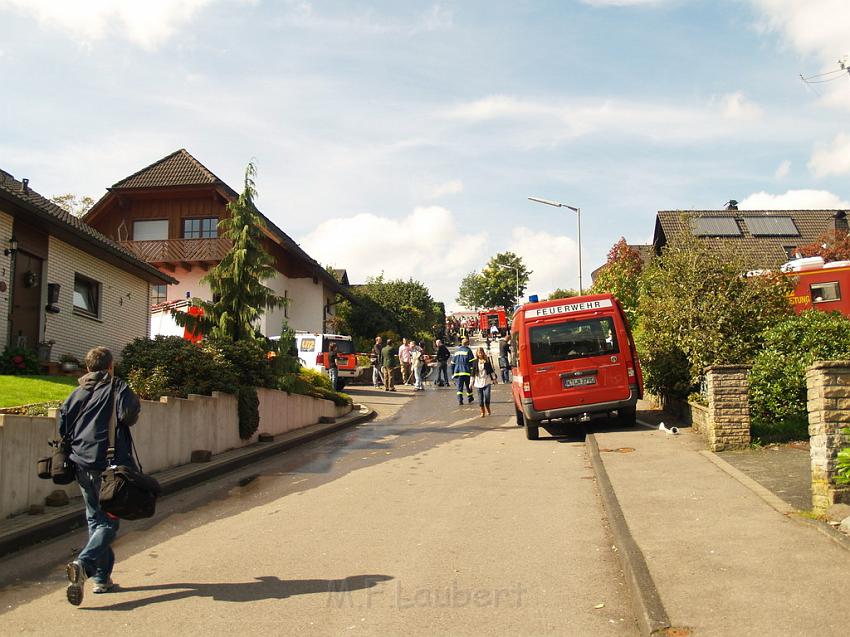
[558, 204]
[510, 267]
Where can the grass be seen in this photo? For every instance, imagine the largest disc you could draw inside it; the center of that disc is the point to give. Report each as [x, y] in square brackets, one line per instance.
[787, 430]
[26, 390]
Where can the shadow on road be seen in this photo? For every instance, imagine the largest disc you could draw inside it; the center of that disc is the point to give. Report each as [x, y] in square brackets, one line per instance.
[266, 587]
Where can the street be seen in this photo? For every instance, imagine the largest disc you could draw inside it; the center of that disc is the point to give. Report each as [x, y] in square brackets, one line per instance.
[428, 520]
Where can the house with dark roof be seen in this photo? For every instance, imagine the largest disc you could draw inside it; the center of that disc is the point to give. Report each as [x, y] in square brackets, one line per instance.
[62, 281]
[767, 238]
[167, 215]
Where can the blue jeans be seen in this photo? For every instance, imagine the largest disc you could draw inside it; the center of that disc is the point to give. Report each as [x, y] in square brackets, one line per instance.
[442, 373]
[97, 557]
[506, 370]
[333, 372]
[417, 374]
[461, 382]
[484, 396]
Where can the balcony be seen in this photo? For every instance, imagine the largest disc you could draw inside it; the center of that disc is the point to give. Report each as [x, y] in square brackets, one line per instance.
[186, 253]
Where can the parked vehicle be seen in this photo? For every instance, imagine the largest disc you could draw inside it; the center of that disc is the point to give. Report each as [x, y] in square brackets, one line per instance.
[488, 318]
[572, 359]
[313, 353]
[819, 285]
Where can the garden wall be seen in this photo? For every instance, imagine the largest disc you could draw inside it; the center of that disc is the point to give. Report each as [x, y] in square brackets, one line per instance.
[166, 434]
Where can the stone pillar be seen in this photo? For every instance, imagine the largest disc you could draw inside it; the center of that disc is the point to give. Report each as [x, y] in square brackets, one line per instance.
[828, 387]
[728, 425]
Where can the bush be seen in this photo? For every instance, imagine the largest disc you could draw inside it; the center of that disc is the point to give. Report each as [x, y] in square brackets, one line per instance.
[777, 381]
[149, 384]
[309, 382]
[248, 407]
[19, 360]
[249, 360]
[316, 378]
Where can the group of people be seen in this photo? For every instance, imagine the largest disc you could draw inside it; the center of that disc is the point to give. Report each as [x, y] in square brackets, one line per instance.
[411, 358]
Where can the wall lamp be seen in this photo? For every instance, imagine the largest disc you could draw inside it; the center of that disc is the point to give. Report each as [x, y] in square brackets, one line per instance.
[13, 247]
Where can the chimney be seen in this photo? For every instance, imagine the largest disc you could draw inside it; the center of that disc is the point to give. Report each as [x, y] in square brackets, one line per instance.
[840, 221]
[731, 205]
[25, 185]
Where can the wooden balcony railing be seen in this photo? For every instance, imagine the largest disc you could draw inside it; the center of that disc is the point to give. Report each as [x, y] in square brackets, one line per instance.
[183, 252]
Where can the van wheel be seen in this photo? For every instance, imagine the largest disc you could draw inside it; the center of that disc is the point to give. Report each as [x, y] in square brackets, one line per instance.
[520, 420]
[627, 417]
[532, 429]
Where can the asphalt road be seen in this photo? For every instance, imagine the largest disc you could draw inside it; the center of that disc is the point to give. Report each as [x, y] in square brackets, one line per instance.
[428, 520]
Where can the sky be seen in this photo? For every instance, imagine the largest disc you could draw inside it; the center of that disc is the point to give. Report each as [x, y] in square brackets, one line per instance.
[405, 137]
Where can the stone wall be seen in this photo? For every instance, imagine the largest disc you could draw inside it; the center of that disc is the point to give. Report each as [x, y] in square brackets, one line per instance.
[828, 388]
[728, 423]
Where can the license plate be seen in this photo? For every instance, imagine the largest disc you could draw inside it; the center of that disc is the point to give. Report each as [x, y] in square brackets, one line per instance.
[579, 381]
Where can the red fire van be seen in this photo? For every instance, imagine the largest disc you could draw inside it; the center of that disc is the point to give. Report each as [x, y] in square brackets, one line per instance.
[819, 285]
[488, 318]
[573, 358]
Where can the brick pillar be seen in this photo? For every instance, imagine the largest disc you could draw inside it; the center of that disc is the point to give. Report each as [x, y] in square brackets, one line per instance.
[828, 386]
[728, 425]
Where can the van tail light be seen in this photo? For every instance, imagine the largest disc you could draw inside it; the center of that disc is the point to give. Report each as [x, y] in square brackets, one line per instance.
[631, 372]
[320, 359]
[526, 389]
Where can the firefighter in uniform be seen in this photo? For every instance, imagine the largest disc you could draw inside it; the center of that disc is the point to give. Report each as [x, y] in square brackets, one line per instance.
[462, 363]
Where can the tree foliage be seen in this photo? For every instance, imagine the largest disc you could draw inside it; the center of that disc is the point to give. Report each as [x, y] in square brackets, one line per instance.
[620, 276]
[495, 286]
[697, 309]
[833, 245]
[77, 206]
[391, 307]
[778, 378]
[239, 294]
[562, 293]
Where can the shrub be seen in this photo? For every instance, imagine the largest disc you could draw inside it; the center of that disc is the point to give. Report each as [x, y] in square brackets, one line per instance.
[248, 407]
[149, 384]
[19, 360]
[247, 358]
[842, 461]
[777, 381]
[316, 378]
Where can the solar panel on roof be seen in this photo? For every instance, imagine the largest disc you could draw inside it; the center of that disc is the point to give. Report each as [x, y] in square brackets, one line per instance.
[772, 226]
[716, 227]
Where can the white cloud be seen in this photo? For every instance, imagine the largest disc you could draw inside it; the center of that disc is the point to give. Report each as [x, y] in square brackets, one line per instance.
[147, 24]
[783, 169]
[302, 14]
[833, 159]
[794, 200]
[552, 258]
[548, 121]
[622, 3]
[427, 244]
[815, 27]
[452, 187]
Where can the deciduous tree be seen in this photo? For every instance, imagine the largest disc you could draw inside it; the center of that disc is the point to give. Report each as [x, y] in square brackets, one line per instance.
[620, 276]
[495, 285]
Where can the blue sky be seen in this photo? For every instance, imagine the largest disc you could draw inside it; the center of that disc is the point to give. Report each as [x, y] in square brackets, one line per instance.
[405, 137]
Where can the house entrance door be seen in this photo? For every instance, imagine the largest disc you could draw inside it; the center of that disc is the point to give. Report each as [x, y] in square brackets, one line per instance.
[26, 300]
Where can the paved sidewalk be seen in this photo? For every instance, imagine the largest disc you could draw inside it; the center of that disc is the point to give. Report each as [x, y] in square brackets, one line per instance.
[723, 560]
[24, 530]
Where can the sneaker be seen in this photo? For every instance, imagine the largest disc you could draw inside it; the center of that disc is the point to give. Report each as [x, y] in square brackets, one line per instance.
[77, 576]
[103, 587]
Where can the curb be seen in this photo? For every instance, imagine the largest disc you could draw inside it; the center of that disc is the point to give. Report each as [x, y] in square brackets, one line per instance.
[776, 502]
[649, 611]
[74, 519]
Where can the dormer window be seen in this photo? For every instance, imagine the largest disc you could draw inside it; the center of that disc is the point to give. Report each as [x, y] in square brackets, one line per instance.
[206, 228]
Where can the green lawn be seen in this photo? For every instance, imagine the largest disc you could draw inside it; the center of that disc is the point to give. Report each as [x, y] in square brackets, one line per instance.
[26, 390]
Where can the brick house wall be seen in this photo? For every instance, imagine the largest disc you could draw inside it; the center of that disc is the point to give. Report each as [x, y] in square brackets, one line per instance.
[124, 304]
[5, 275]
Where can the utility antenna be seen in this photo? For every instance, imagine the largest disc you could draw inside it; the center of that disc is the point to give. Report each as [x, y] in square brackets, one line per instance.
[828, 76]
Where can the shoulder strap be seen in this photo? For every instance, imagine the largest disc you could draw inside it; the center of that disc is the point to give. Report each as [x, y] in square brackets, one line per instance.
[110, 452]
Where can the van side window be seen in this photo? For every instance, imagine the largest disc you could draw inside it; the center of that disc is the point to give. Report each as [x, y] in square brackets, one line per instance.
[572, 339]
[515, 349]
[823, 292]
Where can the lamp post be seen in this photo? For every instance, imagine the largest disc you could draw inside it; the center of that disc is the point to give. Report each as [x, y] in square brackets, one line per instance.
[510, 267]
[558, 204]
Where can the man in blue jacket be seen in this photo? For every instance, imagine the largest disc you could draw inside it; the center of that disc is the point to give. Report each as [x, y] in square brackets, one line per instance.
[462, 369]
[84, 421]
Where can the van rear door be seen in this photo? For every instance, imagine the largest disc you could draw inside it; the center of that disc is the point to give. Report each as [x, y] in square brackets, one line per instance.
[576, 361]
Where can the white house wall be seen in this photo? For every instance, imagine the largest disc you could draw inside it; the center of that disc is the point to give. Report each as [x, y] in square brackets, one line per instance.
[124, 303]
[306, 305]
[189, 281]
[5, 275]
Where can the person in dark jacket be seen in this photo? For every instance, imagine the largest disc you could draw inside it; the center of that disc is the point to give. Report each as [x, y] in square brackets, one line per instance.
[462, 369]
[377, 379]
[443, 355]
[84, 421]
[389, 361]
[333, 368]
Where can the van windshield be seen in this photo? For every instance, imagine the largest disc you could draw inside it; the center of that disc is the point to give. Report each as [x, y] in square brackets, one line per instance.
[342, 347]
[574, 339]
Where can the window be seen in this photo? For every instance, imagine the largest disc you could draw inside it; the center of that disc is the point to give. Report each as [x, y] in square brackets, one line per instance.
[823, 292]
[86, 296]
[159, 294]
[200, 228]
[790, 251]
[154, 230]
[574, 339]
[342, 347]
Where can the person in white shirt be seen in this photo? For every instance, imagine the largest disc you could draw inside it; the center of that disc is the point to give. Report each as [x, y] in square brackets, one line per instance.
[483, 378]
[417, 362]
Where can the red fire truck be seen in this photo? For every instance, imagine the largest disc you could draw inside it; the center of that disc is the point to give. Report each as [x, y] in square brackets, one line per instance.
[488, 318]
[819, 285]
